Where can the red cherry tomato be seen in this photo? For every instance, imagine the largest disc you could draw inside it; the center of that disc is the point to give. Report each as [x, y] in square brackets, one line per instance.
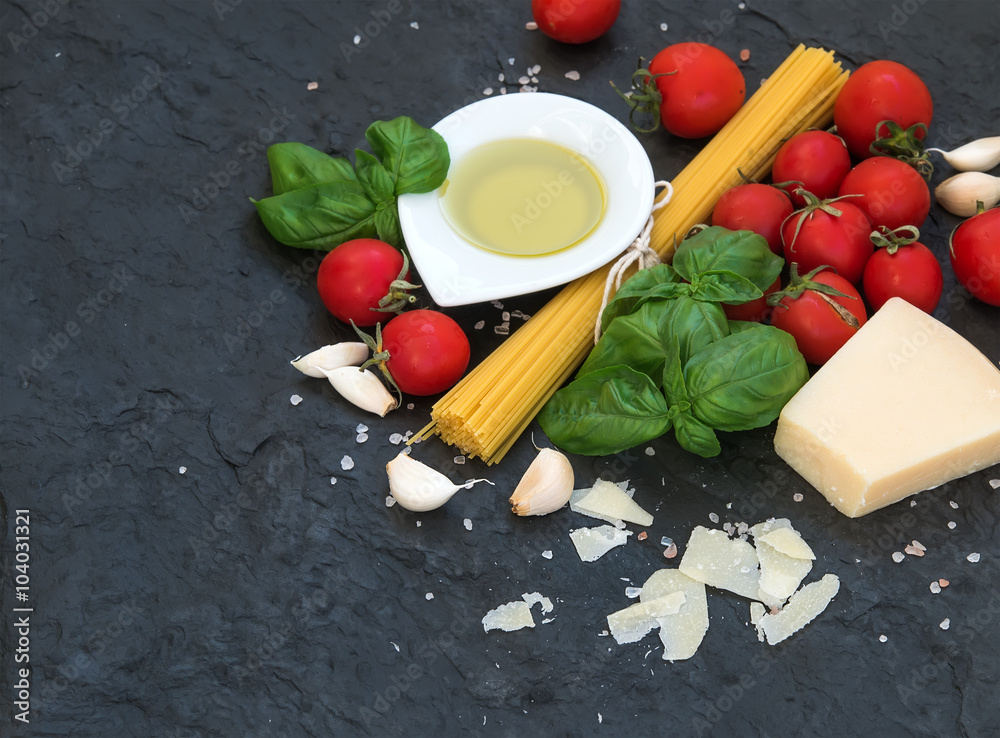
[575, 21]
[820, 329]
[839, 241]
[755, 311]
[817, 159]
[705, 91]
[754, 207]
[428, 351]
[355, 276]
[893, 193]
[912, 272]
[975, 255]
[878, 91]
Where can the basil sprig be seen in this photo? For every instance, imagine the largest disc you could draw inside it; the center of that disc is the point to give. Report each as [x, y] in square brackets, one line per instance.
[321, 201]
[669, 358]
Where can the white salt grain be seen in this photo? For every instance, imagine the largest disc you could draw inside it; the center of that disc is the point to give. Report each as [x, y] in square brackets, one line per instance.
[650, 451]
[953, 504]
[419, 523]
[312, 85]
[945, 624]
[546, 554]
[573, 75]
[995, 483]
[504, 315]
[390, 501]
[511, 61]
[666, 541]
[972, 558]
[883, 638]
[409, 406]
[535, 69]
[952, 524]
[295, 399]
[633, 592]
[459, 459]
[797, 497]
[534, 80]
[395, 439]
[182, 470]
[502, 330]
[333, 480]
[357, 40]
[429, 596]
[500, 77]
[935, 588]
[362, 437]
[531, 26]
[467, 523]
[503, 90]
[523, 80]
[488, 91]
[362, 428]
[898, 556]
[347, 463]
[713, 517]
[414, 25]
[480, 325]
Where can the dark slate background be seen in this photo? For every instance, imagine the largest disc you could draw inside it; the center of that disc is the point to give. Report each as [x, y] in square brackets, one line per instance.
[147, 324]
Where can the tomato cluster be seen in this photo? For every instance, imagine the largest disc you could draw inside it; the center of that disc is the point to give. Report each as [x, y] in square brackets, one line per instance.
[363, 282]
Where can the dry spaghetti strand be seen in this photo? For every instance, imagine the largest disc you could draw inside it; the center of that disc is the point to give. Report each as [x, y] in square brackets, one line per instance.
[486, 412]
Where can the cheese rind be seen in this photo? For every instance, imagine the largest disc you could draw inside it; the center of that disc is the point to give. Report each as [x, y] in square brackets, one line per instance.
[906, 405]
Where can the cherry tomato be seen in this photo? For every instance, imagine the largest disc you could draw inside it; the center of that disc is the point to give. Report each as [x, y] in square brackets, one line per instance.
[428, 351]
[705, 91]
[819, 328]
[877, 91]
[975, 255]
[838, 241]
[893, 193]
[816, 159]
[755, 311]
[754, 207]
[355, 276]
[575, 21]
[912, 272]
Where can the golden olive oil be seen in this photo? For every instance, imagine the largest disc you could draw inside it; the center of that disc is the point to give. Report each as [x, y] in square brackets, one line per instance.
[523, 197]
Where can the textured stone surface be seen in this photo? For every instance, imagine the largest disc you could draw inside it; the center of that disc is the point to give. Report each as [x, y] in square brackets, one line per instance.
[248, 596]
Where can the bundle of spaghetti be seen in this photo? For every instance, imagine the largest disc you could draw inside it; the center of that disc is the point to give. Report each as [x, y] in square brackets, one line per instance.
[485, 413]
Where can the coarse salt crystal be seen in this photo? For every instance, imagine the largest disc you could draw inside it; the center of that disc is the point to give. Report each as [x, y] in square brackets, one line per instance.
[414, 25]
[671, 551]
[883, 638]
[182, 470]
[953, 504]
[744, 54]
[995, 483]
[650, 451]
[713, 517]
[531, 26]
[534, 80]
[347, 463]
[935, 588]
[945, 624]
[898, 556]
[395, 439]
[362, 437]
[952, 524]
[503, 90]
[797, 497]
[633, 592]
[410, 406]
[419, 523]
[357, 40]
[333, 480]
[917, 544]
[913, 551]
[523, 80]
[972, 558]
[295, 399]
[390, 501]
[467, 523]
[664, 26]
[505, 316]
[502, 330]
[573, 75]
[429, 596]
[546, 554]
[488, 91]
[480, 325]
[362, 428]
[641, 536]
[312, 85]
[510, 61]
[459, 460]
[913, 503]
[943, 582]
[666, 541]
[535, 69]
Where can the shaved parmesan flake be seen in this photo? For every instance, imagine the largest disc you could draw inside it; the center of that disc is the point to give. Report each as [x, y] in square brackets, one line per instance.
[801, 609]
[592, 543]
[607, 501]
[780, 574]
[512, 616]
[716, 559]
[683, 631]
[787, 541]
[634, 622]
[757, 611]
[536, 598]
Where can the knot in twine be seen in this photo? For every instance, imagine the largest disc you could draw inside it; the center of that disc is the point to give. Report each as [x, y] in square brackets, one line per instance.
[638, 252]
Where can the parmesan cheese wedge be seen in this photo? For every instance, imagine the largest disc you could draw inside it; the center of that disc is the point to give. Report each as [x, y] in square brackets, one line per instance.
[607, 501]
[592, 543]
[802, 609]
[713, 558]
[682, 632]
[906, 405]
[634, 622]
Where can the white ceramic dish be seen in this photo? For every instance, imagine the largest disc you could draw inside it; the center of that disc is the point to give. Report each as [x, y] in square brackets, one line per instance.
[456, 272]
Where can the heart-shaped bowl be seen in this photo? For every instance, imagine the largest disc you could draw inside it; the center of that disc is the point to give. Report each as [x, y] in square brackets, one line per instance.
[458, 272]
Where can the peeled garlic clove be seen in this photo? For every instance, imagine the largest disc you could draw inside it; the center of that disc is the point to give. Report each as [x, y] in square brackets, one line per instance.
[545, 487]
[331, 357]
[417, 487]
[960, 193]
[361, 388]
[978, 156]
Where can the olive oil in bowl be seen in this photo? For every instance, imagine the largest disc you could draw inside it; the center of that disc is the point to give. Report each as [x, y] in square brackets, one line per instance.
[523, 197]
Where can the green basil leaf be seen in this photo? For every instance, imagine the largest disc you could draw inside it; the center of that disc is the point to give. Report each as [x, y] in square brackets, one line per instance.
[373, 177]
[738, 326]
[719, 249]
[319, 217]
[674, 388]
[387, 224]
[723, 286]
[633, 340]
[416, 157]
[606, 411]
[693, 323]
[295, 166]
[743, 380]
[646, 283]
[695, 436]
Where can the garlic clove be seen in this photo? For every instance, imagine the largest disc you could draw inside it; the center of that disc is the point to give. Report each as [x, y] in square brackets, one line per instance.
[417, 487]
[977, 156]
[362, 388]
[959, 194]
[545, 487]
[330, 357]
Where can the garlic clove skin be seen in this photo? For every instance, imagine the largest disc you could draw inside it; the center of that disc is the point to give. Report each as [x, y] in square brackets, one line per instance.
[324, 359]
[959, 194]
[977, 156]
[545, 487]
[417, 487]
[361, 388]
